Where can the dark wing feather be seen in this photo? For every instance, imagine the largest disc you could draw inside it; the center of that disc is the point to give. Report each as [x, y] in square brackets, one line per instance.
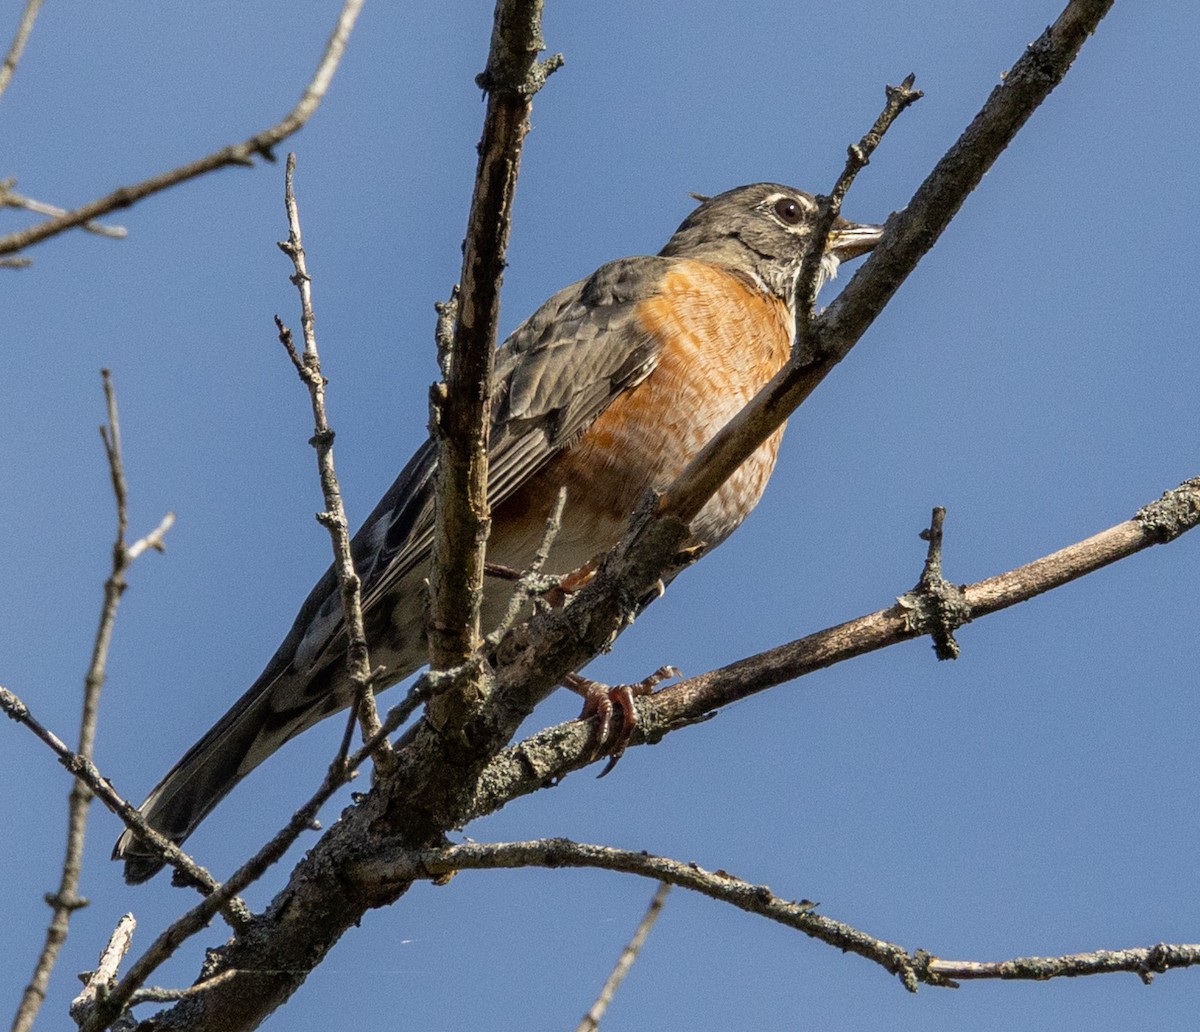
[553, 376]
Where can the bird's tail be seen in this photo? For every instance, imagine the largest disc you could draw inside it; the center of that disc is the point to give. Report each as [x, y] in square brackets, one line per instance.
[254, 728]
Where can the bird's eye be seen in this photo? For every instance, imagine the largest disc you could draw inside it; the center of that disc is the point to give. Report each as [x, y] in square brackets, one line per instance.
[789, 211]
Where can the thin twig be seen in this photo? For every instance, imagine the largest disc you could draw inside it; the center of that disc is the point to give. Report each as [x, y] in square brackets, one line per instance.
[86, 771]
[156, 994]
[66, 899]
[333, 519]
[943, 605]
[11, 199]
[244, 153]
[720, 885]
[17, 47]
[591, 1020]
[858, 156]
[1143, 961]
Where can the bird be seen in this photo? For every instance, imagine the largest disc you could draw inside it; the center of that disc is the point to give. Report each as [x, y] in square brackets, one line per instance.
[606, 391]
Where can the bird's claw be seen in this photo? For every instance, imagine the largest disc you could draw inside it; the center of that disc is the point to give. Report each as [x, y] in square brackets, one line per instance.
[601, 700]
[553, 589]
[569, 583]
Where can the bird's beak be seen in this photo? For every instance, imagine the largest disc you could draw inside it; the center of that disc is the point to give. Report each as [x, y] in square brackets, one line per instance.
[850, 239]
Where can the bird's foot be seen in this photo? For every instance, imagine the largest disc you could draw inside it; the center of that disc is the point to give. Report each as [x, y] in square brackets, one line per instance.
[601, 701]
[569, 583]
[552, 589]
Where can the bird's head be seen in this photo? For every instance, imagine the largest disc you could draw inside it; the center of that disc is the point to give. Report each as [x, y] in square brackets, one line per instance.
[763, 231]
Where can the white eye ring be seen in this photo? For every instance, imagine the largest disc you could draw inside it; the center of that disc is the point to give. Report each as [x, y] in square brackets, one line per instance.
[791, 211]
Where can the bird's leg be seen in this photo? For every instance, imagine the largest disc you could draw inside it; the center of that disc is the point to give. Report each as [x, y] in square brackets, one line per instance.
[600, 700]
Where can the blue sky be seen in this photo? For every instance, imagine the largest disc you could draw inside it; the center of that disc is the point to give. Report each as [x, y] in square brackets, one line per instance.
[1037, 375]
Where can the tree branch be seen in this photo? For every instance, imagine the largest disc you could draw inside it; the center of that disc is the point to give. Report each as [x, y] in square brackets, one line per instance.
[339, 773]
[85, 771]
[400, 865]
[460, 406]
[243, 153]
[9, 198]
[99, 981]
[546, 757]
[1143, 961]
[913, 968]
[858, 156]
[333, 519]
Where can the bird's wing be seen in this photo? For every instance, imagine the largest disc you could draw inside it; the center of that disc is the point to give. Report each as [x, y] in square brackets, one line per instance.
[554, 375]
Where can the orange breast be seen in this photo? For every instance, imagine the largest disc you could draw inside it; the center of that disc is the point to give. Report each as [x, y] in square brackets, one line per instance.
[721, 341]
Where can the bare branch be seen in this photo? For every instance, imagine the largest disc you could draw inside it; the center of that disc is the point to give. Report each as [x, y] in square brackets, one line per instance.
[244, 153]
[196, 920]
[157, 994]
[17, 47]
[591, 1020]
[85, 771]
[100, 982]
[9, 198]
[943, 603]
[719, 885]
[1143, 961]
[532, 582]
[155, 540]
[858, 156]
[918, 967]
[461, 405]
[333, 519]
[545, 757]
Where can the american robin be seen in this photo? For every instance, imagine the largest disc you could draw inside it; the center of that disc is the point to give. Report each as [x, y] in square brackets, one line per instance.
[608, 390]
